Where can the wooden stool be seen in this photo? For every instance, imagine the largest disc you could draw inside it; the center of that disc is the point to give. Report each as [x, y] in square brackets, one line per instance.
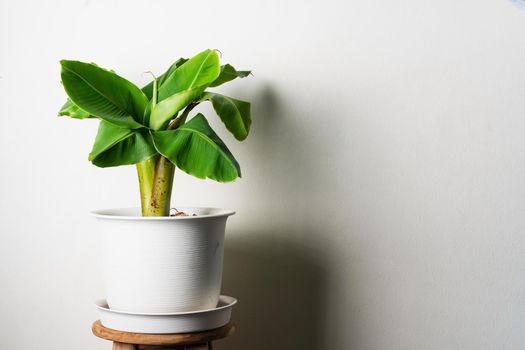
[142, 341]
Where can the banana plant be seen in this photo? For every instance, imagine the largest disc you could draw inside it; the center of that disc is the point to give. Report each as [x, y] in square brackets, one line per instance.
[152, 128]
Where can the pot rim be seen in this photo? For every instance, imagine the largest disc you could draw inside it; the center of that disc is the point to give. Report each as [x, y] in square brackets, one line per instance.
[133, 213]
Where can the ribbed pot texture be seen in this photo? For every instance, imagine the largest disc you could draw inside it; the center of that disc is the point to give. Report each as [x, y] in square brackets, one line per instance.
[162, 264]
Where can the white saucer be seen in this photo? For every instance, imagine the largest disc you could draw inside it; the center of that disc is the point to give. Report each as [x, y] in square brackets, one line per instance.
[180, 322]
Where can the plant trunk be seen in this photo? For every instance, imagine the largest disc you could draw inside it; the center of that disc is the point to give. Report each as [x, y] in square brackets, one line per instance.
[156, 176]
[156, 183]
[146, 172]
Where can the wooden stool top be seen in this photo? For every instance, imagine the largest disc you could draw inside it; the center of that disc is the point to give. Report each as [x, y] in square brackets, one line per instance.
[162, 339]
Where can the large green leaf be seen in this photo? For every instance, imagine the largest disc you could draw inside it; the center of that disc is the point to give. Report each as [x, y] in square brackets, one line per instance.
[200, 70]
[229, 73]
[168, 108]
[196, 149]
[235, 114]
[70, 109]
[108, 135]
[148, 89]
[104, 94]
[116, 146]
[184, 85]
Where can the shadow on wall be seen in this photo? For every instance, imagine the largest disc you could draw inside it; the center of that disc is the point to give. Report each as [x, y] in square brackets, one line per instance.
[279, 288]
[273, 268]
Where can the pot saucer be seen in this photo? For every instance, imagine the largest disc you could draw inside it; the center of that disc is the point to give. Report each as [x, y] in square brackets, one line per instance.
[164, 323]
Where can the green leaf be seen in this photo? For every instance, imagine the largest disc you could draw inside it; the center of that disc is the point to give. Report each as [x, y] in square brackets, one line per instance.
[168, 108]
[229, 73]
[70, 109]
[108, 135]
[197, 150]
[116, 146]
[104, 94]
[200, 70]
[183, 86]
[235, 114]
[148, 89]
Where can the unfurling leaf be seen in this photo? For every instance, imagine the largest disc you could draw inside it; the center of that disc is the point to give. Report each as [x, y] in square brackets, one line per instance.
[168, 108]
[148, 89]
[183, 86]
[200, 70]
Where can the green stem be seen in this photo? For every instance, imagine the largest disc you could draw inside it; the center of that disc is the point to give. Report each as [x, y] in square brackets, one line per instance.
[159, 204]
[175, 123]
[156, 177]
[146, 173]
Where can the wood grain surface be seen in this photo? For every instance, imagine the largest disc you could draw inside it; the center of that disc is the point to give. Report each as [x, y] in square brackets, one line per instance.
[161, 339]
[122, 346]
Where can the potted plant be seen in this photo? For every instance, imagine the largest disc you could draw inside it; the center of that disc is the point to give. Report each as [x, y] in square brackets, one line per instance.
[155, 262]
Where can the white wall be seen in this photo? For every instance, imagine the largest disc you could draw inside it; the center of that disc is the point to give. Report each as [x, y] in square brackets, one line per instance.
[383, 197]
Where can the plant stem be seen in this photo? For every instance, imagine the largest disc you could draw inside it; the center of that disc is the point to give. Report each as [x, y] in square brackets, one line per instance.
[175, 123]
[159, 204]
[156, 177]
[146, 173]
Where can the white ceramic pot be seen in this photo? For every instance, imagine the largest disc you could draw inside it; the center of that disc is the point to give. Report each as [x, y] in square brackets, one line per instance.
[162, 264]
